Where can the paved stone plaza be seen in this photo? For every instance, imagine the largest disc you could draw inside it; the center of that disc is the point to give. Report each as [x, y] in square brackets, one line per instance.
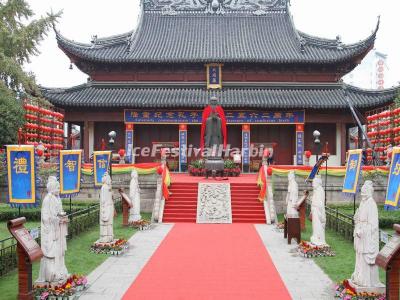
[111, 279]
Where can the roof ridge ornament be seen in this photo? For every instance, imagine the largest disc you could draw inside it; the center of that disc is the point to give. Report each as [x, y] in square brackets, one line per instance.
[256, 7]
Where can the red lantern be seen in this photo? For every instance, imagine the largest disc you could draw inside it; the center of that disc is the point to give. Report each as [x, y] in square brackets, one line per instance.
[307, 153]
[39, 152]
[121, 152]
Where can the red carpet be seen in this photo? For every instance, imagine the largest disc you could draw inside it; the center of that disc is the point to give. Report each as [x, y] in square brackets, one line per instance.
[204, 261]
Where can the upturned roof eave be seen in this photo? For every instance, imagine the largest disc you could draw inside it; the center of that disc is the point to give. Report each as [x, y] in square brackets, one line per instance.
[84, 52]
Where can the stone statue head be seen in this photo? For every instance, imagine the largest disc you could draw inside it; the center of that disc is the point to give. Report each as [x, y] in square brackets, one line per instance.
[106, 179]
[213, 103]
[53, 186]
[367, 190]
[134, 175]
[317, 181]
[291, 175]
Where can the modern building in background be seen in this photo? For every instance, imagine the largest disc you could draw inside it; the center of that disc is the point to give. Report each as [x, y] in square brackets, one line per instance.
[371, 73]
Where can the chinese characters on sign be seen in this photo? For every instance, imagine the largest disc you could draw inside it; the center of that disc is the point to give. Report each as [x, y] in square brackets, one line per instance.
[129, 143]
[102, 163]
[21, 176]
[214, 76]
[182, 148]
[21, 165]
[232, 117]
[393, 189]
[70, 165]
[299, 147]
[70, 172]
[246, 147]
[353, 168]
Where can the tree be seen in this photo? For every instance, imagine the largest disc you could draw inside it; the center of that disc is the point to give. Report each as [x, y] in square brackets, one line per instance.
[19, 40]
[397, 100]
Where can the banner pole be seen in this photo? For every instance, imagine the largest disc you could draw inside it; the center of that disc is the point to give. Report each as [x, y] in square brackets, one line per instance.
[70, 204]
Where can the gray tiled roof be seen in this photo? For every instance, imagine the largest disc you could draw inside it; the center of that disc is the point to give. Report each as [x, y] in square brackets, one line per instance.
[235, 36]
[126, 95]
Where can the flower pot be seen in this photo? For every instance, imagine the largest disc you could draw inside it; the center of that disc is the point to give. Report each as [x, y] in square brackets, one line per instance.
[52, 298]
[60, 297]
[37, 297]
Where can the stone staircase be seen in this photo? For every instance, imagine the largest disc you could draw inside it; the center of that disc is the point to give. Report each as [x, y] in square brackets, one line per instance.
[182, 204]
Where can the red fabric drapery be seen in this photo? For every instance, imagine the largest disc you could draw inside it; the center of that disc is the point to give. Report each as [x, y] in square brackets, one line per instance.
[206, 113]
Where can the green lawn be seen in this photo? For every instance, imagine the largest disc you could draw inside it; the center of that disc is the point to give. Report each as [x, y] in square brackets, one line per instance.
[33, 214]
[78, 258]
[4, 233]
[386, 218]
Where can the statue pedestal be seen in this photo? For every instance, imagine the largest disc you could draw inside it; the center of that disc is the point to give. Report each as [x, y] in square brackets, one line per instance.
[362, 289]
[214, 165]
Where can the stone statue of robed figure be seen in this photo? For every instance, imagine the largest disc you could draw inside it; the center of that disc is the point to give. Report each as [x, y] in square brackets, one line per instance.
[292, 196]
[53, 230]
[366, 243]
[134, 195]
[318, 213]
[106, 211]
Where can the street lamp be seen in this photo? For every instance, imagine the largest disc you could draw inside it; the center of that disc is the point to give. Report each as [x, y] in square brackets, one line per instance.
[317, 143]
[111, 141]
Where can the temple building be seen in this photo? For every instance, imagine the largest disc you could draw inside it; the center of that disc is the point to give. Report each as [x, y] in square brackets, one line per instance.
[276, 84]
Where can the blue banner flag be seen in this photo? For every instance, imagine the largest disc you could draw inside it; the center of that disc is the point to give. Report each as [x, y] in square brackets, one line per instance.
[70, 172]
[393, 188]
[316, 168]
[353, 169]
[21, 175]
[101, 164]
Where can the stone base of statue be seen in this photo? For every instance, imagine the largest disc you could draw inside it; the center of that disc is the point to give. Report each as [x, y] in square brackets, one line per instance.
[379, 290]
[310, 250]
[116, 247]
[213, 166]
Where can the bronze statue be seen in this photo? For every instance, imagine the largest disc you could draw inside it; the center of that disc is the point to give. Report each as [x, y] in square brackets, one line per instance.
[213, 136]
